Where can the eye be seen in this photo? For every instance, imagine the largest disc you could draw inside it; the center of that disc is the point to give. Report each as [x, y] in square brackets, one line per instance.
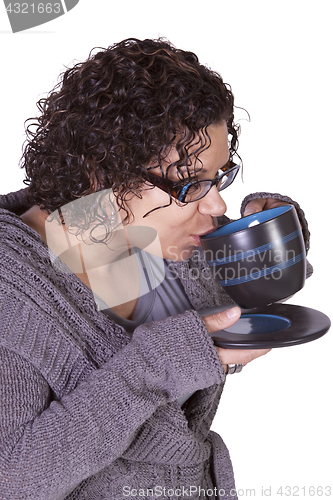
[193, 188]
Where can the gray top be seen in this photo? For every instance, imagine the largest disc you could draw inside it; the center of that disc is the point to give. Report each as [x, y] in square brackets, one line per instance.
[167, 299]
[88, 411]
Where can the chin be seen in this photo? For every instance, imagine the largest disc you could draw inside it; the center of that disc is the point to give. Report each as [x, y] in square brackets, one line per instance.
[182, 255]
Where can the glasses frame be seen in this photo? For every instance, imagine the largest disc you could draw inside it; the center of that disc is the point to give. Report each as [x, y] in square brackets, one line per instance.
[178, 190]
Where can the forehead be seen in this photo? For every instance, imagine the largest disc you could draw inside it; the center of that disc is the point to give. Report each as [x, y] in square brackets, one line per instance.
[217, 153]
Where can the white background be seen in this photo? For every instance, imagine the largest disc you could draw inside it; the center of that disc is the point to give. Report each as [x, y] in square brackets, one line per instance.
[276, 416]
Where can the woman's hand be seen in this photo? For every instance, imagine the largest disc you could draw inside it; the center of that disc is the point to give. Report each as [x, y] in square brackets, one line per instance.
[260, 204]
[225, 319]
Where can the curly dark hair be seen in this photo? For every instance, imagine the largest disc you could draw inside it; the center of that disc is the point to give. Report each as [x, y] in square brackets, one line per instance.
[112, 115]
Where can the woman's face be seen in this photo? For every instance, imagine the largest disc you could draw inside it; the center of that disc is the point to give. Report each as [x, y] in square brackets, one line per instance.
[179, 227]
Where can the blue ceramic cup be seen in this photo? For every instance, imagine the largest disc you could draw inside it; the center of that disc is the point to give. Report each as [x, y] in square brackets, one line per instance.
[258, 259]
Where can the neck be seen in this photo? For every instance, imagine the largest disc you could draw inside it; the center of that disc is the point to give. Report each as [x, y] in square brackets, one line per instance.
[35, 218]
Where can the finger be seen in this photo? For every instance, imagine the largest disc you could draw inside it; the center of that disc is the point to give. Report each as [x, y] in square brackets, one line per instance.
[255, 206]
[273, 203]
[240, 356]
[221, 320]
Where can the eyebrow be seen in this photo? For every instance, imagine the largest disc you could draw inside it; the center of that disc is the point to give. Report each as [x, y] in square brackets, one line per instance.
[199, 171]
[194, 174]
[204, 170]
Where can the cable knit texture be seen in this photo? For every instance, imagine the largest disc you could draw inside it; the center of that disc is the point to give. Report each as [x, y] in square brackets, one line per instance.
[88, 412]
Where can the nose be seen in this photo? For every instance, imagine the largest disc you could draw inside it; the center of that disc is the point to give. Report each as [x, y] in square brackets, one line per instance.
[212, 204]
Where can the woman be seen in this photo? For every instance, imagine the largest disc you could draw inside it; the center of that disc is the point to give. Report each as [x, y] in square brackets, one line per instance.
[108, 389]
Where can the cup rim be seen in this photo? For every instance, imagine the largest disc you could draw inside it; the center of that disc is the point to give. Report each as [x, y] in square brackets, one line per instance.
[270, 215]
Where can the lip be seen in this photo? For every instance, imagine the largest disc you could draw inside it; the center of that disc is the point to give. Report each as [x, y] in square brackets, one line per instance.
[207, 232]
[211, 230]
[197, 237]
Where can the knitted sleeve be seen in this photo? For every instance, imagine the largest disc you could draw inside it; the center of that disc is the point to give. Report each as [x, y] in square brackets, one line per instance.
[50, 446]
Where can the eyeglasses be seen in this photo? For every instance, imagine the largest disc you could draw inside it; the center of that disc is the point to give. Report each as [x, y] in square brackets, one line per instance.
[194, 190]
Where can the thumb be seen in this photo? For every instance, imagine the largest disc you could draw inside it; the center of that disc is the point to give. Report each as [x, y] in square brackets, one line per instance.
[221, 320]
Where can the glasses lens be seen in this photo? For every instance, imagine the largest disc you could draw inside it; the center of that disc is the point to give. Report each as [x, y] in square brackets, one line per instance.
[227, 177]
[194, 191]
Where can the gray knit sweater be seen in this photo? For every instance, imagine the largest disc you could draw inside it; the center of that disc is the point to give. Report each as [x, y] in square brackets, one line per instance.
[88, 412]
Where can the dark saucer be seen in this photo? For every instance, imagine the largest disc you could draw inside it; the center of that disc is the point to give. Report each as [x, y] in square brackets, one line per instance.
[276, 325]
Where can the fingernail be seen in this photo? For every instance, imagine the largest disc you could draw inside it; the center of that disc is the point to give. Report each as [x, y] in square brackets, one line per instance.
[232, 313]
[250, 211]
